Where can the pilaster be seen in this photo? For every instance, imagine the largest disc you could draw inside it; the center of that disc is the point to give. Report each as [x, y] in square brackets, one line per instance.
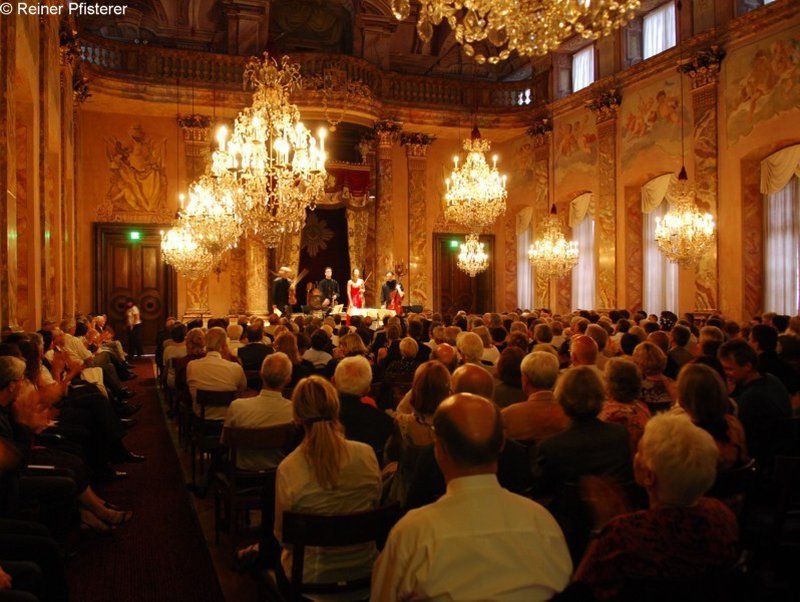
[419, 275]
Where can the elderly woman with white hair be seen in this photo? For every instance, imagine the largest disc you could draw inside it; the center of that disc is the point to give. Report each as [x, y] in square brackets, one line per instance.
[682, 535]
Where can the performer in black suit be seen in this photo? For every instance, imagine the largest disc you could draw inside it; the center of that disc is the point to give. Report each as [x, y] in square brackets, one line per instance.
[387, 289]
[280, 290]
[329, 289]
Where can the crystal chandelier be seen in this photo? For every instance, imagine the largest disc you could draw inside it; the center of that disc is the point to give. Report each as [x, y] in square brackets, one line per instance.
[181, 250]
[211, 217]
[476, 193]
[551, 254]
[684, 234]
[272, 164]
[529, 27]
[472, 259]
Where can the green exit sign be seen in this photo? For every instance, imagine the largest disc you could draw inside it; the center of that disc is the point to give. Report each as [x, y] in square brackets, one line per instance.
[454, 244]
[135, 235]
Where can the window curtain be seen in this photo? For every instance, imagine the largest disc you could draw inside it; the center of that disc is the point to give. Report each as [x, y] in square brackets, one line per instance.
[583, 68]
[782, 249]
[658, 31]
[524, 269]
[583, 275]
[660, 275]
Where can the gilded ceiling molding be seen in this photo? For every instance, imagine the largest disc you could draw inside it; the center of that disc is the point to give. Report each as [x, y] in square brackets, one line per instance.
[703, 68]
[416, 143]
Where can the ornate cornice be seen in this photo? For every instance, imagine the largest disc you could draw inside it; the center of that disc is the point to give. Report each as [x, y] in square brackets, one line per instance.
[540, 131]
[416, 143]
[195, 127]
[387, 132]
[605, 105]
[80, 87]
[366, 148]
[703, 67]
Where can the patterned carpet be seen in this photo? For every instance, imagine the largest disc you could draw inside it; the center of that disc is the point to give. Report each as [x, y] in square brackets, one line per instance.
[161, 555]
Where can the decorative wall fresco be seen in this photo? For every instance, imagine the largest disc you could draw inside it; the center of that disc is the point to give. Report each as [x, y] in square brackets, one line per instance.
[575, 152]
[650, 122]
[763, 81]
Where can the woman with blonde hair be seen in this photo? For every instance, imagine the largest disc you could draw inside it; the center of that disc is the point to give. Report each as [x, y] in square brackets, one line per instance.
[326, 474]
[658, 391]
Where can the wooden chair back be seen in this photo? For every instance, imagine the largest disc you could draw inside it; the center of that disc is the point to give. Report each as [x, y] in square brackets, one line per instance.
[218, 399]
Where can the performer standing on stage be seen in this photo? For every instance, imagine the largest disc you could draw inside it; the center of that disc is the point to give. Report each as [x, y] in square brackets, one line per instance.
[280, 290]
[392, 294]
[329, 288]
[355, 291]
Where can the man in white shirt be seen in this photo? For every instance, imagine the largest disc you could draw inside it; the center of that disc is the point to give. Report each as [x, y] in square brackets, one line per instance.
[516, 551]
[268, 408]
[213, 373]
[133, 317]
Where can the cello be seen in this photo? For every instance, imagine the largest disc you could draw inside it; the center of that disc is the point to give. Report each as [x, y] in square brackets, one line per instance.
[396, 299]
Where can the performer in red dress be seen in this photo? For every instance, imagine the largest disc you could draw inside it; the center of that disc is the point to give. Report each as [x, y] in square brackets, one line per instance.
[355, 294]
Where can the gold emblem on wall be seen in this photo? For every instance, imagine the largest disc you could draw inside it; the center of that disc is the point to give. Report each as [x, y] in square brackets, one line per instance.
[137, 187]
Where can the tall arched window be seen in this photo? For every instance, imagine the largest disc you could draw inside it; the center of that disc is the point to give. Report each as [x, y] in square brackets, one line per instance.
[581, 220]
[660, 275]
[524, 271]
[780, 185]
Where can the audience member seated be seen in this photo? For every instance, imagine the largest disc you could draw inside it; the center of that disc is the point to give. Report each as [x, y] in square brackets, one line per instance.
[764, 340]
[234, 332]
[214, 373]
[540, 416]
[268, 408]
[326, 474]
[362, 420]
[658, 391]
[473, 378]
[763, 403]
[703, 396]
[413, 431]
[462, 547]
[600, 336]
[584, 352]
[679, 338]
[317, 354]
[623, 384]
[508, 378]
[490, 353]
[403, 368]
[251, 355]
[195, 349]
[175, 351]
[446, 354]
[682, 535]
[286, 342]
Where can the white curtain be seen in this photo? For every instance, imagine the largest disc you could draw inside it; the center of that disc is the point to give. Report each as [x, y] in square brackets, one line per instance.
[580, 207]
[524, 271]
[658, 30]
[583, 68]
[660, 275]
[778, 169]
[782, 249]
[583, 274]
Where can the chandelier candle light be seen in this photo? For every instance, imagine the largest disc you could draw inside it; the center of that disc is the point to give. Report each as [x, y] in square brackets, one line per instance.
[551, 254]
[182, 251]
[472, 259]
[531, 28]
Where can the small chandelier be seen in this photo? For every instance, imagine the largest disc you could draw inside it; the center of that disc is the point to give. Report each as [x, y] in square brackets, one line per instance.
[551, 254]
[211, 217]
[529, 28]
[472, 259]
[476, 193]
[273, 166]
[684, 234]
[181, 250]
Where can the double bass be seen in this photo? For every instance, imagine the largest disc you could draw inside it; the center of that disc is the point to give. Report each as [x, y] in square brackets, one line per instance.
[396, 299]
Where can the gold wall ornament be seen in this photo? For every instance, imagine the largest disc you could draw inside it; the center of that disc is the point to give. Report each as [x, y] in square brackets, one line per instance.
[551, 254]
[684, 234]
[336, 87]
[272, 165]
[475, 194]
[529, 28]
[472, 257]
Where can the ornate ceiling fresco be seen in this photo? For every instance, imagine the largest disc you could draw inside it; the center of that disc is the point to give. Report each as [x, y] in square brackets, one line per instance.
[361, 28]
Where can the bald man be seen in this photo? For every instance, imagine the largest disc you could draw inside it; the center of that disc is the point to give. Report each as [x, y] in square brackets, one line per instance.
[583, 352]
[446, 354]
[519, 553]
[472, 378]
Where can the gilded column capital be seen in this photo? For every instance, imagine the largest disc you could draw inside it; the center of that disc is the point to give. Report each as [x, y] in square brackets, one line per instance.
[416, 144]
[387, 132]
[605, 105]
[541, 131]
[703, 67]
[366, 148]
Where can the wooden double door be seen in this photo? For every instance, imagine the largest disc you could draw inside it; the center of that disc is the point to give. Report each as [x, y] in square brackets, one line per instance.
[128, 264]
[455, 290]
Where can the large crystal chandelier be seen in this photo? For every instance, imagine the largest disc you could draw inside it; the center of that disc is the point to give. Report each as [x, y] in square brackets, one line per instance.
[684, 234]
[272, 164]
[472, 259]
[551, 254]
[181, 250]
[211, 217]
[529, 27]
[476, 193]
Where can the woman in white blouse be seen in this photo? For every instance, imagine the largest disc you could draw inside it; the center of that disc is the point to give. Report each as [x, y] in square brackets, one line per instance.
[326, 474]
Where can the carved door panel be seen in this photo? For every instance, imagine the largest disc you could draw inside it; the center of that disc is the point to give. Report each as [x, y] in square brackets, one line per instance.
[127, 266]
[454, 289]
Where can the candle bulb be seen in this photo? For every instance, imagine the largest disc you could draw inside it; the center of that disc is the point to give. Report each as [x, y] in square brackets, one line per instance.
[222, 134]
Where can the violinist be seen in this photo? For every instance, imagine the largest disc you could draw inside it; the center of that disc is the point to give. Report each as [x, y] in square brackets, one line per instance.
[329, 288]
[281, 290]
